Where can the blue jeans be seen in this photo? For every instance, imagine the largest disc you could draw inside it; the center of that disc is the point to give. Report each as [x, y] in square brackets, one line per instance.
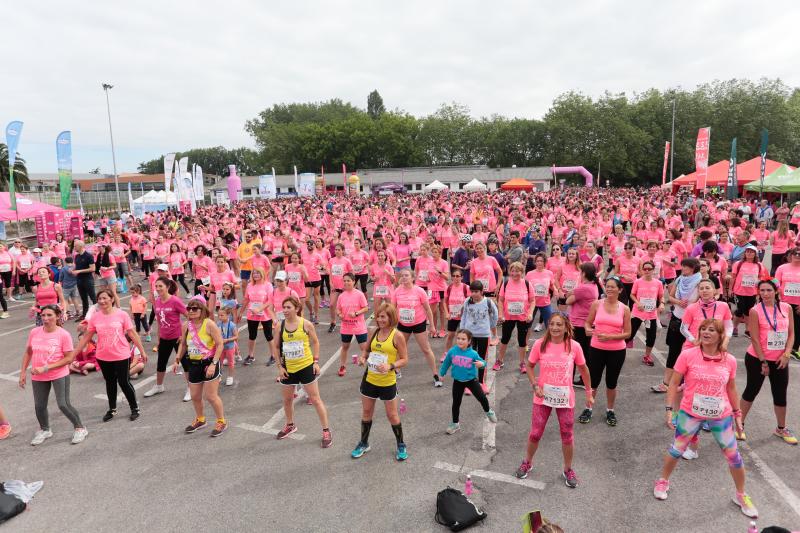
[545, 312]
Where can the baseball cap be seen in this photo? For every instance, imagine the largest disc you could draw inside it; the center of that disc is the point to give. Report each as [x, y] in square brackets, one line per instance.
[37, 250]
[281, 275]
[163, 267]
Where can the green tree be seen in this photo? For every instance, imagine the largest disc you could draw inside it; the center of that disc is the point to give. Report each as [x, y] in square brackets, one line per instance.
[20, 170]
[375, 106]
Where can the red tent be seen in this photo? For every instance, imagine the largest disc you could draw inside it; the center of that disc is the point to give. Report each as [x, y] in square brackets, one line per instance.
[25, 207]
[718, 173]
[517, 184]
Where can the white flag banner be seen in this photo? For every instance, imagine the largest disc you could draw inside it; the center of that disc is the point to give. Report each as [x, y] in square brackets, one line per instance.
[186, 178]
[199, 187]
[266, 187]
[169, 162]
[177, 182]
[306, 184]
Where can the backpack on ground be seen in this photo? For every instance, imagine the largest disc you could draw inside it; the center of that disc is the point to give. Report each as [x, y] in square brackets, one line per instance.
[456, 511]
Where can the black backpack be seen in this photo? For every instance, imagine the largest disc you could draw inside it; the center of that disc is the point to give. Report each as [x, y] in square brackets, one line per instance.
[455, 511]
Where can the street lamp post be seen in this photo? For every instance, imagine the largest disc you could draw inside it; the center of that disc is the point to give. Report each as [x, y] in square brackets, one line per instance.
[106, 87]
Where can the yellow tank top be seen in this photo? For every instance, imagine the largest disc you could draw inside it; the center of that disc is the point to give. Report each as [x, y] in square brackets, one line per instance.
[195, 352]
[296, 348]
[382, 352]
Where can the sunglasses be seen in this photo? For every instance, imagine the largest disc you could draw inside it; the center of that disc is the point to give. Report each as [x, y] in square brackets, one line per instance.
[192, 308]
[648, 269]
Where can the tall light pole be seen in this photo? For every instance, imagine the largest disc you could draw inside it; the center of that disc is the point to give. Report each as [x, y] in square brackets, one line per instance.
[672, 142]
[106, 87]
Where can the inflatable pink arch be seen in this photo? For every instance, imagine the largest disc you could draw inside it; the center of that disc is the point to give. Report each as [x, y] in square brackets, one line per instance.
[575, 170]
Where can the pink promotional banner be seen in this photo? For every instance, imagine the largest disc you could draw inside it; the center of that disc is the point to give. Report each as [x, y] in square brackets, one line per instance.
[666, 158]
[701, 157]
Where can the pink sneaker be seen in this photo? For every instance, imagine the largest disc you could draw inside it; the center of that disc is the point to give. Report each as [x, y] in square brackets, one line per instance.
[661, 489]
[497, 365]
[523, 369]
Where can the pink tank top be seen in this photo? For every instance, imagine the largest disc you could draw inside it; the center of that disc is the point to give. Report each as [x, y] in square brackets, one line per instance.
[605, 322]
[46, 295]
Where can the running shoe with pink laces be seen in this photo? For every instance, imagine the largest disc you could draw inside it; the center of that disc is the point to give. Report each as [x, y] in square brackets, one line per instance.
[661, 489]
[5, 431]
[746, 505]
[327, 438]
[524, 468]
[785, 433]
[570, 478]
[523, 369]
[498, 364]
[287, 430]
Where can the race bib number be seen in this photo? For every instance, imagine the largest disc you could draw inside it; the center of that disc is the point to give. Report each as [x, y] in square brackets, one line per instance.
[485, 283]
[570, 284]
[749, 281]
[277, 251]
[381, 290]
[293, 350]
[516, 308]
[194, 353]
[423, 275]
[118, 253]
[649, 304]
[455, 311]
[707, 406]
[556, 396]
[5, 267]
[254, 308]
[24, 264]
[190, 255]
[776, 340]
[337, 270]
[407, 315]
[791, 289]
[294, 277]
[176, 264]
[279, 316]
[375, 360]
[539, 290]
[206, 280]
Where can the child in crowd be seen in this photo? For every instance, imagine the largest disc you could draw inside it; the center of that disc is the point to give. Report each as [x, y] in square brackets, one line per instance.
[479, 317]
[230, 336]
[138, 306]
[137, 363]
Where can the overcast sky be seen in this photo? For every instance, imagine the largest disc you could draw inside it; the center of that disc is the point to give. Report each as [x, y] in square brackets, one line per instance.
[190, 73]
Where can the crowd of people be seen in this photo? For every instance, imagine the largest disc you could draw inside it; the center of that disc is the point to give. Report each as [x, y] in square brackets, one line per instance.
[575, 272]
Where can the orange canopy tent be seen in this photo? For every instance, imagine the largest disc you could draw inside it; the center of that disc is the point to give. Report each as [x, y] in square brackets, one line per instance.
[718, 173]
[517, 184]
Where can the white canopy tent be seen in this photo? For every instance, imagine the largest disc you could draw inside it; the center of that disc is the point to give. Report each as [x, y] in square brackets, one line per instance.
[154, 201]
[436, 186]
[475, 185]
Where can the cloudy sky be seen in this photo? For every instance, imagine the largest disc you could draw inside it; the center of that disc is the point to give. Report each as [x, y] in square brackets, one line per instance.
[190, 73]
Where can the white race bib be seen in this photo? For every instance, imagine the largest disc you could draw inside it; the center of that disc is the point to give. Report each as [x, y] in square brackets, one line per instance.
[485, 283]
[381, 290]
[5, 267]
[293, 350]
[707, 406]
[649, 304]
[375, 359]
[24, 264]
[294, 277]
[117, 252]
[423, 275]
[791, 289]
[206, 280]
[540, 290]
[277, 251]
[279, 316]
[176, 264]
[776, 340]
[407, 315]
[253, 307]
[455, 311]
[556, 396]
[748, 280]
[337, 270]
[515, 308]
[569, 284]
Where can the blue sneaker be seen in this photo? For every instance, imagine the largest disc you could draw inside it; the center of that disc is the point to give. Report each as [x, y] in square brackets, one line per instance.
[402, 452]
[360, 450]
[705, 426]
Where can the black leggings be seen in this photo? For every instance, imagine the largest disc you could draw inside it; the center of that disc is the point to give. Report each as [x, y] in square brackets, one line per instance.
[458, 393]
[522, 331]
[675, 340]
[778, 380]
[24, 281]
[141, 323]
[326, 282]
[3, 296]
[579, 334]
[650, 338]
[116, 372]
[181, 278]
[147, 266]
[625, 295]
[252, 329]
[481, 345]
[609, 360]
[165, 348]
[362, 279]
[796, 319]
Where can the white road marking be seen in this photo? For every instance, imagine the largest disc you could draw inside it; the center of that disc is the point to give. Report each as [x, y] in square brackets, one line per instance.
[269, 431]
[137, 386]
[23, 328]
[489, 429]
[9, 377]
[494, 476]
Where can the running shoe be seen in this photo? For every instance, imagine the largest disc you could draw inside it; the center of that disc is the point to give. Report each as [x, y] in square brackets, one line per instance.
[219, 429]
[79, 435]
[187, 396]
[490, 414]
[135, 413]
[402, 452]
[109, 415]
[538, 327]
[315, 320]
[156, 389]
[327, 439]
[522, 471]
[148, 338]
[498, 364]
[740, 435]
[359, 450]
[287, 430]
[796, 354]
[195, 425]
[660, 388]
[437, 383]
[229, 381]
[746, 505]
[342, 371]
[787, 435]
[452, 427]
[570, 478]
[5, 431]
[523, 369]
[585, 417]
[648, 360]
[611, 418]
[4, 314]
[494, 341]
[690, 454]
[705, 426]
[271, 361]
[661, 489]
[41, 436]
[248, 360]
[332, 327]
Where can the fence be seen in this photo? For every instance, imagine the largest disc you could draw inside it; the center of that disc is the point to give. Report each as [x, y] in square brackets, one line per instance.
[94, 202]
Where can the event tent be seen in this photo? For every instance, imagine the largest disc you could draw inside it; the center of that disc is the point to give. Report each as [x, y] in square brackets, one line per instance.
[517, 184]
[25, 208]
[784, 184]
[436, 185]
[770, 181]
[475, 185]
[154, 201]
[718, 173]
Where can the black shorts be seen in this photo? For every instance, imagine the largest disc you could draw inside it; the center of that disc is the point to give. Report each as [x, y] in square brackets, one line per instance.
[452, 325]
[314, 284]
[338, 291]
[197, 370]
[304, 376]
[743, 305]
[361, 338]
[489, 294]
[418, 328]
[374, 392]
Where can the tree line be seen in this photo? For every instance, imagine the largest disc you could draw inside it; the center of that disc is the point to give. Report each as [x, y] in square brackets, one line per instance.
[620, 135]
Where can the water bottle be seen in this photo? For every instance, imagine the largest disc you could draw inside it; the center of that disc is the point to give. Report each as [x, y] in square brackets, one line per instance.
[402, 406]
[468, 487]
[355, 359]
[753, 528]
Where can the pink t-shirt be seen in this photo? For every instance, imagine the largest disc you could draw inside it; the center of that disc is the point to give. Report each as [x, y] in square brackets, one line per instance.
[382, 281]
[483, 270]
[168, 316]
[627, 268]
[455, 296]
[312, 261]
[118, 250]
[48, 348]
[649, 294]
[569, 277]
[219, 278]
[698, 311]
[360, 260]
[338, 267]
[259, 294]
[176, 260]
[295, 279]
[773, 330]
[109, 272]
[351, 301]
[112, 344]
[202, 266]
[788, 277]
[277, 299]
[437, 281]
[540, 281]
[410, 305]
[423, 268]
[705, 392]
[517, 299]
[555, 372]
[613, 324]
[585, 295]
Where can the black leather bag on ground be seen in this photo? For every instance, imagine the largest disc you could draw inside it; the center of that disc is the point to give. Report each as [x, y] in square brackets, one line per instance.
[455, 511]
[10, 506]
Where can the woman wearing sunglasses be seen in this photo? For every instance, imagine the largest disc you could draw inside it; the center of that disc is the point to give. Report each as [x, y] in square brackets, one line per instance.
[647, 294]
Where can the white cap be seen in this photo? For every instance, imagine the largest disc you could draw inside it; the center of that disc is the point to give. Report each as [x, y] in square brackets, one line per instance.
[163, 267]
[281, 275]
[37, 250]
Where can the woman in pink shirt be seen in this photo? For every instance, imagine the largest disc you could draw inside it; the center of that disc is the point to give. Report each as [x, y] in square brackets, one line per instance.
[338, 265]
[788, 277]
[383, 279]
[177, 265]
[781, 240]
[708, 374]
[49, 352]
[168, 309]
[24, 265]
[744, 279]
[626, 267]
[360, 260]
[608, 324]
[113, 328]
[202, 265]
[569, 276]
[647, 295]
[402, 253]
[7, 270]
[313, 263]
[351, 306]
[258, 308]
[557, 354]
[516, 303]
[414, 314]
[486, 270]
[544, 285]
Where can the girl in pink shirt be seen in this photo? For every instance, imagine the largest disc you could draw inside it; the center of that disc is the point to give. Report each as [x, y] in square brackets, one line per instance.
[216, 278]
[177, 264]
[414, 314]
[647, 296]
[338, 265]
[258, 308]
[486, 270]
[351, 306]
[544, 285]
[313, 263]
[438, 277]
[360, 260]
[557, 354]
[297, 276]
[516, 305]
[383, 279]
[49, 352]
[788, 278]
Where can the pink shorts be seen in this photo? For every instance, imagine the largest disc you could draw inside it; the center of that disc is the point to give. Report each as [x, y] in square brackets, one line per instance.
[229, 357]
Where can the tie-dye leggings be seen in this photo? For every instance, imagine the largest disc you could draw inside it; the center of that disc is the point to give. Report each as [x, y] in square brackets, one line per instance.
[687, 427]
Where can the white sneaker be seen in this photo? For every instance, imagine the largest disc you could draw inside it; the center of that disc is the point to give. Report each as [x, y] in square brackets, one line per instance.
[188, 396]
[179, 371]
[157, 389]
[229, 381]
[690, 454]
[41, 436]
[12, 299]
[79, 435]
[538, 327]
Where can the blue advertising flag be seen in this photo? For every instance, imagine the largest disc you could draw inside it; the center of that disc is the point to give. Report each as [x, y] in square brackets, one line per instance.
[733, 182]
[64, 155]
[13, 131]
